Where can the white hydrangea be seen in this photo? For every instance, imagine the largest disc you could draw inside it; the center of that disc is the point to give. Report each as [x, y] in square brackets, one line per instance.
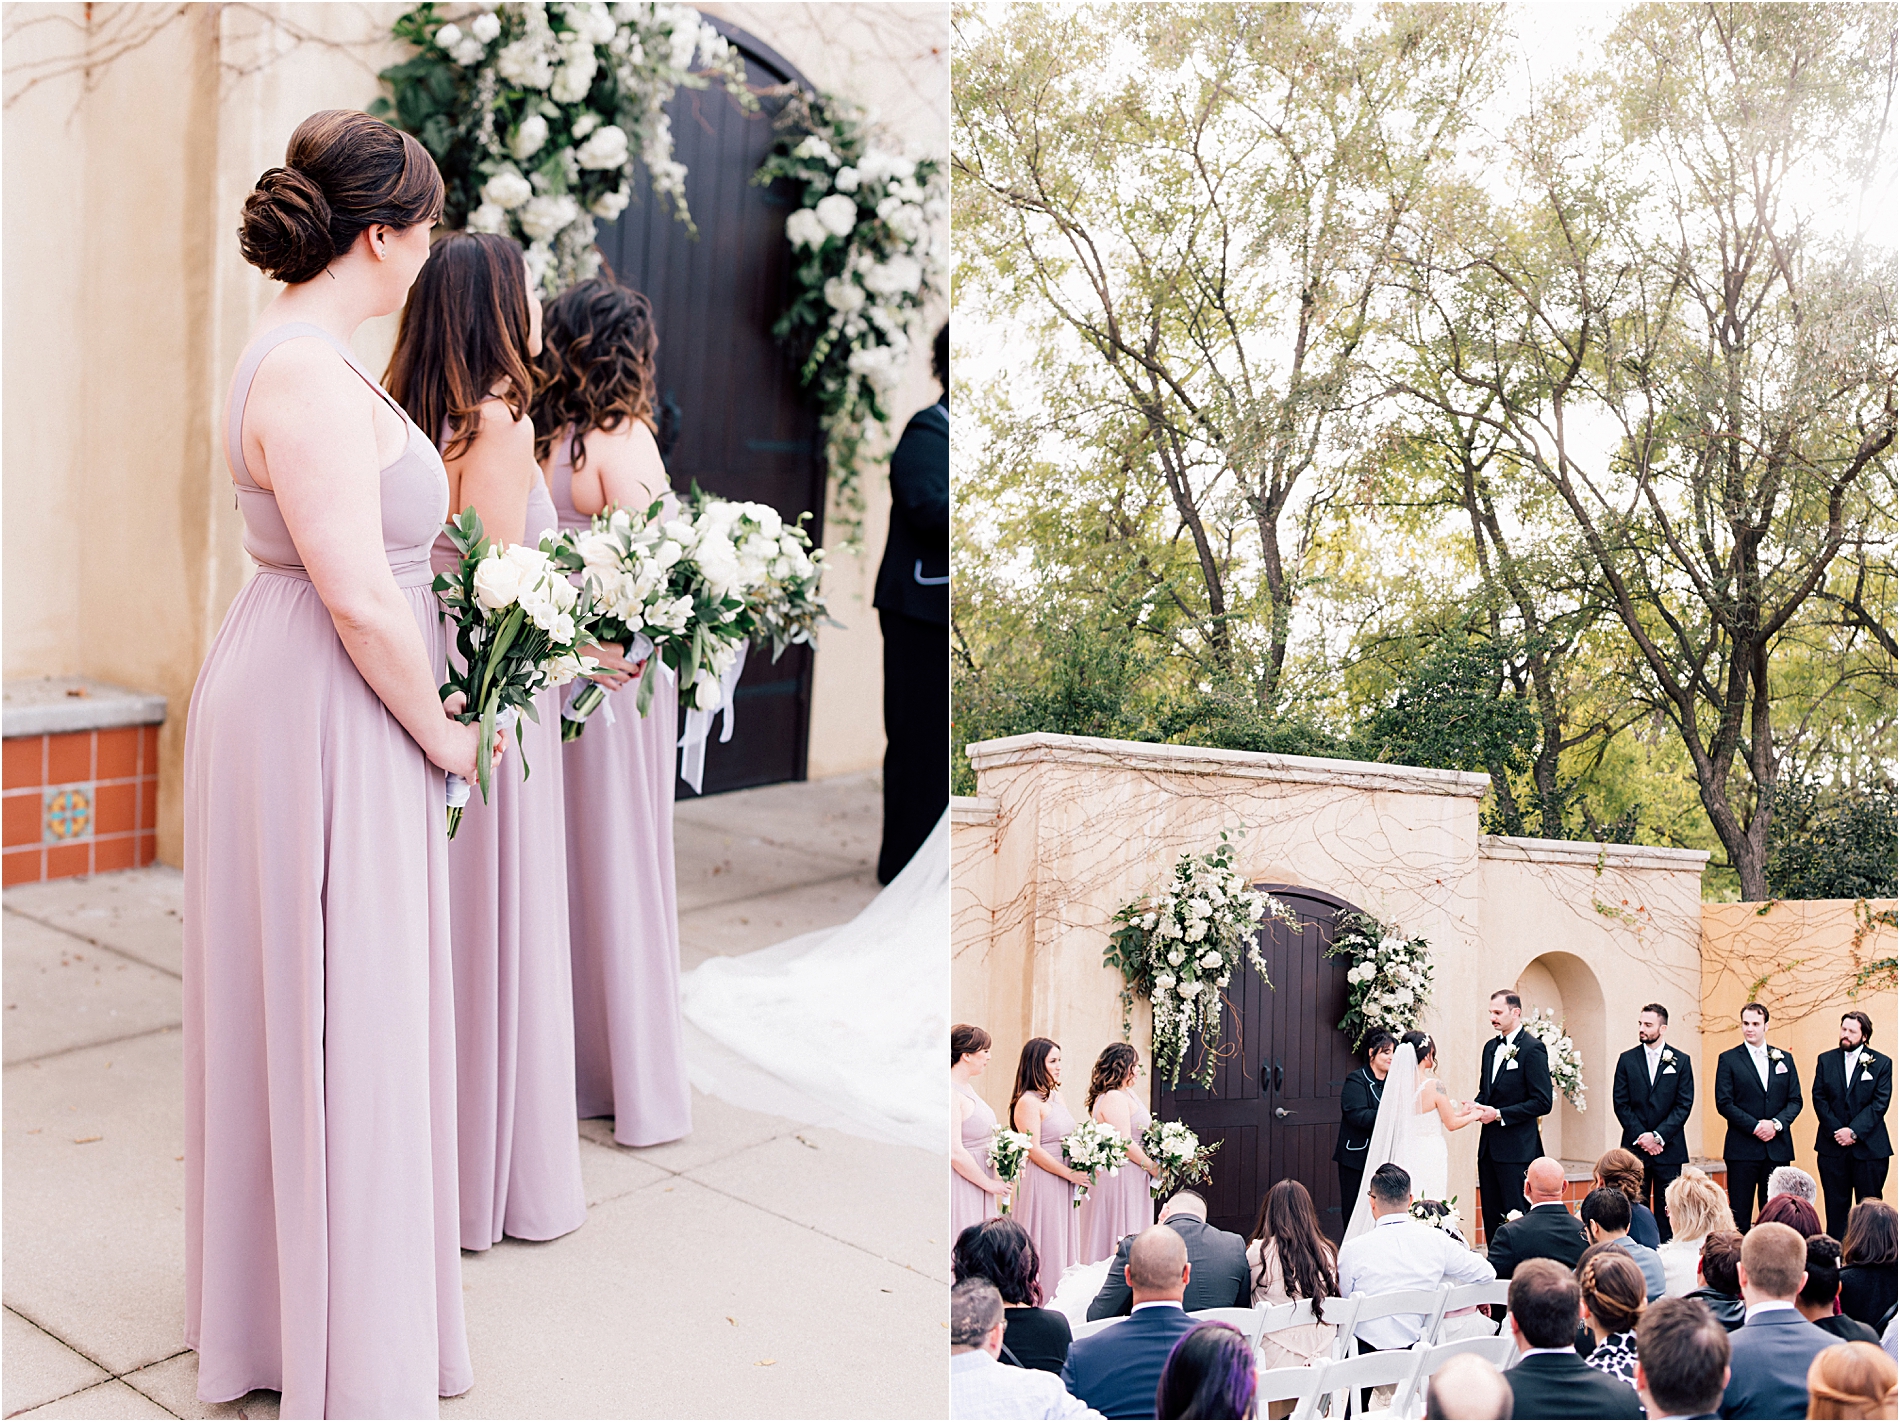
[488, 218]
[543, 216]
[529, 138]
[846, 180]
[608, 206]
[803, 229]
[507, 190]
[844, 294]
[485, 27]
[585, 124]
[449, 36]
[838, 213]
[528, 62]
[605, 148]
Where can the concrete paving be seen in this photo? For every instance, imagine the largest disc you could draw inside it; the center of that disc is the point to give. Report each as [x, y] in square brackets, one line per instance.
[765, 1266]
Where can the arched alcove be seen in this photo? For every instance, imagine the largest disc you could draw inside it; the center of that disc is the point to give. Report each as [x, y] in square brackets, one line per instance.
[1565, 985]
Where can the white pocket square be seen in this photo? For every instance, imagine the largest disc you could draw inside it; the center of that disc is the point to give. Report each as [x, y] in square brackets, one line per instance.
[1668, 1071]
[1781, 1068]
[1510, 1066]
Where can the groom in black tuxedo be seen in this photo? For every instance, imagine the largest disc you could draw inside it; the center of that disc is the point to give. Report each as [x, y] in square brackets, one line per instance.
[1653, 1091]
[1514, 1089]
[1358, 1113]
[1851, 1140]
[1758, 1092]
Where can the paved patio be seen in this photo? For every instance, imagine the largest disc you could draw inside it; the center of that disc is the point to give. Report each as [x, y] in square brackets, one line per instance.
[762, 1267]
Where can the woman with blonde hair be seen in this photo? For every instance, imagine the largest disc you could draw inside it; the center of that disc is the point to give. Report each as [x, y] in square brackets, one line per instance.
[1697, 1208]
[1851, 1380]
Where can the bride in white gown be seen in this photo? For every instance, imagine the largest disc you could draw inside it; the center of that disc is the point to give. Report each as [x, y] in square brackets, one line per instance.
[1414, 1114]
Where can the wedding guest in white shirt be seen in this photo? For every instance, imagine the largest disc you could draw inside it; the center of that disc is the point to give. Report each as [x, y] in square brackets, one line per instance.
[1681, 1360]
[981, 1387]
[1401, 1252]
[1697, 1207]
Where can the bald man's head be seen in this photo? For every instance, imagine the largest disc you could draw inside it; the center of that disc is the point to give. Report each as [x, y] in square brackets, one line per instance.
[1184, 1202]
[1468, 1386]
[1157, 1265]
[1544, 1181]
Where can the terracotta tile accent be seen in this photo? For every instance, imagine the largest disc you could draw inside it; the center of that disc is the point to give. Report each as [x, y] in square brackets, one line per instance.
[20, 867]
[148, 803]
[117, 852]
[69, 757]
[25, 762]
[65, 860]
[147, 850]
[115, 808]
[22, 819]
[148, 750]
[118, 753]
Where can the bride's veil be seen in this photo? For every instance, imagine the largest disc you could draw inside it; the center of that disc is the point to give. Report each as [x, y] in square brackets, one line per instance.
[1399, 1099]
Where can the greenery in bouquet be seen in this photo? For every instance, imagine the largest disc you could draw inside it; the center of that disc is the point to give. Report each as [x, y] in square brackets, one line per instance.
[1441, 1214]
[1566, 1062]
[1092, 1147]
[864, 240]
[536, 114]
[781, 572]
[1008, 1150]
[1179, 947]
[519, 624]
[1390, 979]
[1178, 1151]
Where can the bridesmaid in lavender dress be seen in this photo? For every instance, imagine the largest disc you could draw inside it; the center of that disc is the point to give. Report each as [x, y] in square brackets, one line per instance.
[974, 1188]
[319, 1033]
[1119, 1203]
[1043, 1196]
[462, 367]
[594, 418]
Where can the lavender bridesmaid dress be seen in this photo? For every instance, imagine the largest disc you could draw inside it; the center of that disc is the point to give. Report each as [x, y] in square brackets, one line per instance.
[623, 923]
[319, 1017]
[514, 1001]
[1119, 1203]
[1043, 1203]
[969, 1205]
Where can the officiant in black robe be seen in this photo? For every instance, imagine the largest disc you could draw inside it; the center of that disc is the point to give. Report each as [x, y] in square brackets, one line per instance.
[1358, 1110]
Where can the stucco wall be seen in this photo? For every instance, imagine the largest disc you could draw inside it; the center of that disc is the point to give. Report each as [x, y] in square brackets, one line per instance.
[126, 306]
[1799, 960]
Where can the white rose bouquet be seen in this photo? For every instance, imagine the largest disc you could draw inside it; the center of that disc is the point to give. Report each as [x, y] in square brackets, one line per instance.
[1566, 1062]
[519, 624]
[1441, 1214]
[1008, 1150]
[1092, 1147]
[780, 573]
[623, 565]
[1179, 1153]
[1390, 979]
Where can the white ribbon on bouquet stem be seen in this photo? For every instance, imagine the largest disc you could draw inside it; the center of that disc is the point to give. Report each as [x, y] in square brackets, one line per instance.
[455, 787]
[698, 729]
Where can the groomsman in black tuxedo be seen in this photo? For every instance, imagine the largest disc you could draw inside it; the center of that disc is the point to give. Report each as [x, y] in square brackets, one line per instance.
[1514, 1089]
[1852, 1088]
[1758, 1092]
[1358, 1111]
[1653, 1091]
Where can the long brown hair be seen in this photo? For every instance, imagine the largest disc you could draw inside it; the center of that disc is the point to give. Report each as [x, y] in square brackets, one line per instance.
[966, 1040]
[1032, 1073]
[1113, 1070]
[1308, 1261]
[597, 364]
[464, 331]
[1870, 1235]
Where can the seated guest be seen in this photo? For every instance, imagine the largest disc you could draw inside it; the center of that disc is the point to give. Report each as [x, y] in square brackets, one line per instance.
[1550, 1380]
[979, 1385]
[1819, 1294]
[1619, 1169]
[1466, 1386]
[1400, 1252]
[1612, 1290]
[1290, 1257]
[1770, 1353]
[1117, 1370]
[1001, 1251]
[1697, 1207]
[1681, 1360]
[1851, 1380]
[1867, 1269]
[1219, 1259]
[1792, 1180]
[1547, 1230]
[1720, 1287]
[1794, 1212]
[1210, 1373]
[1606, 1218]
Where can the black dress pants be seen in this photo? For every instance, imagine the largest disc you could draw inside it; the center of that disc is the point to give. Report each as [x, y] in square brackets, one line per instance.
[1747, 1189]
[1500, 1190]
[916, 736]
[1846, 1181]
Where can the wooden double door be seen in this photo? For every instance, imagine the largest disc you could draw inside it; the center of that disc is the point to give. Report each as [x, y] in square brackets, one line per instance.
[732, 418]
[1282, 1060]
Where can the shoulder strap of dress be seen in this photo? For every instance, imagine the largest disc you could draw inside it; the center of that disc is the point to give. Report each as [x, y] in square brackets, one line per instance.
[241, 383]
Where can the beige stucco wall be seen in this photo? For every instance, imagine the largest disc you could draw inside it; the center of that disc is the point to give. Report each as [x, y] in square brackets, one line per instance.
[1066, 829]
[1800, 961]
[126, 305]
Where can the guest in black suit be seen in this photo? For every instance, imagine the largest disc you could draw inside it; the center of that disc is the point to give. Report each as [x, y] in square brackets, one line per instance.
[1220, 1263]
[1547, 1230]
[1358, 1113]
[1852, 1089]
[1514, 1090]
[1652, 1093]
[1758, 1092]
[1681, 1360]
[1769, 1354]
[1001, 1251]
[1550, 1380]
[913, 610]
[1868, 1281]
[1823, 1287]
[1118, 1369]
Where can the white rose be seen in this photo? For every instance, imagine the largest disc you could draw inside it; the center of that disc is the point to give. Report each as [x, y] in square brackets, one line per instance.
[574, 78]
[706, 689]
[812, 146]
[838, 213]
[584, 125]
[488, 218]
[485, 27]
[1196, 931]
[803, 229]
[1176, 958]
[1188, 990]
[449, 36]
[1210, 959]
[468, 53]
[530, 138]
[846, 180]
[507, 189]
[526, 62]
[542, 217]
[1164, 981]
[843, 294]
[608, 206]
[604, 148]
[497, 582]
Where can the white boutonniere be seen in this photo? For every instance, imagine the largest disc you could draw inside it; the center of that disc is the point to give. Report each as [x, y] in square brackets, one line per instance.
[1669, 1057]
[1507, 1051]
[1514, 1215]
[1775, 1054]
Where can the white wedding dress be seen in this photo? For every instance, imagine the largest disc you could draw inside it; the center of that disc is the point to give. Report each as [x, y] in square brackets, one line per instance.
[1407, 1133]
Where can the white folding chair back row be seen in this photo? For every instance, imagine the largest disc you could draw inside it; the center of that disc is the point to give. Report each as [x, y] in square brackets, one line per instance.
[1260, 1320]
[1407, 1371]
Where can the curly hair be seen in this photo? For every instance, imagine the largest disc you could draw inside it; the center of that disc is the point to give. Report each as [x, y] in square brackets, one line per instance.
[598, 347]
[1621, 1170]
[1114, 1068]
[1001, 1251]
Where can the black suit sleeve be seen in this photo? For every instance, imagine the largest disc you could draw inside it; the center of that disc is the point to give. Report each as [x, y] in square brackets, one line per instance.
[1503, 1253]
[1787, 1114]
[1626, 1116]
[1358, 1112]
[1116, 1298]
[1822, 1095]
[1867, 1120]
[1671, 1125]
[920, 480]
[1535, 1063]
[1725, 1097]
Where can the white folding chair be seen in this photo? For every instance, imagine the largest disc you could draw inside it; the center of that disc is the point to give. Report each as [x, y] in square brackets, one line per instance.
[1345, 1378]
[1495, 1351]
[1342, 1314]
[1301, 1385]
[1094, 1325]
